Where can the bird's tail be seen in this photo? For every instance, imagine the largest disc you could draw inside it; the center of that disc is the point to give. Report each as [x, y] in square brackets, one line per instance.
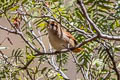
[76, 50]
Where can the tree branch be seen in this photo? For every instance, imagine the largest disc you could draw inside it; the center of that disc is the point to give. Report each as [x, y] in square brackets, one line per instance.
[113, 61]
[52, 63]
[8, 30]
[80, 2]
[99, 33]
[47, 53]
[104, 36]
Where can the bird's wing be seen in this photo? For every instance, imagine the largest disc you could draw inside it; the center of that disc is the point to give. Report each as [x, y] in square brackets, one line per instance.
[71, 37]
[76, 50]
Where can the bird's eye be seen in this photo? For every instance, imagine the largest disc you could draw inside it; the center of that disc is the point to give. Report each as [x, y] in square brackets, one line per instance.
[52, 24]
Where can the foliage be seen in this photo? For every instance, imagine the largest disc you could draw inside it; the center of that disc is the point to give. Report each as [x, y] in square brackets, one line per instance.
[94, 62]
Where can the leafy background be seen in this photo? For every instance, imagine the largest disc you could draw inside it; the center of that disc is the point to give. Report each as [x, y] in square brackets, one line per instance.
[92, 63]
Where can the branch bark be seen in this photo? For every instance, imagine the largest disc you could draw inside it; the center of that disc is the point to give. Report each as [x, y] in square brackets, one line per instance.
[99, 33]
[82, 6]
[113, 61]
[47, 53]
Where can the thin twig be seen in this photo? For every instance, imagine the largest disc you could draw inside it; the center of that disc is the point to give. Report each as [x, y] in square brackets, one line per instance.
[106, 76]
[80, 66]
[113, 61]
[28, 73]
[80, 2]
[99, 33]
[52, 63]
[8, 30]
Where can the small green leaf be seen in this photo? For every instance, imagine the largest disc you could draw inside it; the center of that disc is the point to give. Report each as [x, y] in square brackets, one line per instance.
[60, 77]
[54, 0]
[29, 35]
[79, 14]
[3, 1]
[43, 70]
[29, 57]
[42, 24]
[89, 1]
[24, 1]
[117, 23]
[98, 63]
[14, 8]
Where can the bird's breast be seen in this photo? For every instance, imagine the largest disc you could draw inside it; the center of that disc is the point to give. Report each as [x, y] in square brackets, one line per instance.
[57, 42]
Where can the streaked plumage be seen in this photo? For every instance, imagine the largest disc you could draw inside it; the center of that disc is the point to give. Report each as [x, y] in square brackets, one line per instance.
[60, 38]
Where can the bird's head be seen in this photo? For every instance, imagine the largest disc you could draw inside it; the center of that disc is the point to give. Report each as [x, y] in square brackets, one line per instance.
[52, 25]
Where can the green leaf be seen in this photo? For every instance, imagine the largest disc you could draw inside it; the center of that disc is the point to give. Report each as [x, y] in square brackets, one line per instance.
[98, 63]
[104, 7]
[59, 77]
[24, 1]
[89, 1]
[43, 70]
[14, 8]
[29, 57]
[117, 23]
[54, 0]
[79, 15]
[42, 24]
[117, 48]
[29, 35]
[3, 1]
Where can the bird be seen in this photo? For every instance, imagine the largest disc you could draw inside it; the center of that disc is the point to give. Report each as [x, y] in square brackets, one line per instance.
[60, 38]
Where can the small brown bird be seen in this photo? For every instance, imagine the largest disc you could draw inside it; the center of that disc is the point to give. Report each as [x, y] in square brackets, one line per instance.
[60, 38]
